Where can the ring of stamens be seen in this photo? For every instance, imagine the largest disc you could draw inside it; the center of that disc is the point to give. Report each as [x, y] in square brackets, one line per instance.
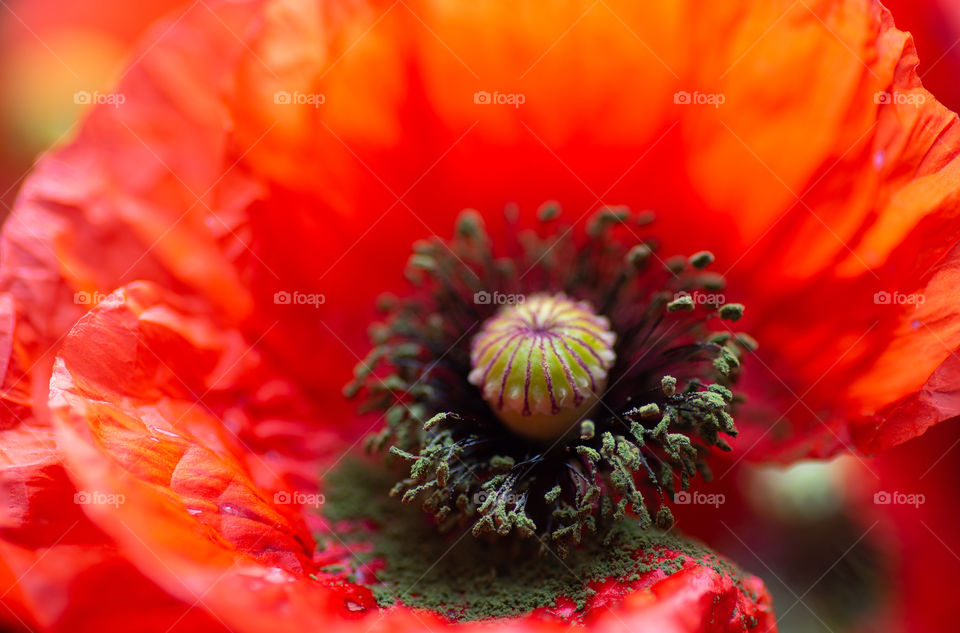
[485, 434]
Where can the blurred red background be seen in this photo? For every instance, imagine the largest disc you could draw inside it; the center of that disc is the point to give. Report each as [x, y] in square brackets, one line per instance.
[50, 50]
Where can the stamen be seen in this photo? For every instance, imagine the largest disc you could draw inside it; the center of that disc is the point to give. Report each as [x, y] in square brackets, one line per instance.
[494, 425]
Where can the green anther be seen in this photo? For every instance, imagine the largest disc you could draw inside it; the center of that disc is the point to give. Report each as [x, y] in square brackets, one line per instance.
[726, 362]
[379, 333]
[701, 260]
[548, 211]
[649, 410]
[424, 247]
[731, 311]
[638, 256]
[385, 302]
[423, 262]
[608, 444]
[417, 412]
[587, 430]
[719, 338]
[589, 453]
[712, 281]
[747, 342]
[683, 303]
[435, 420]
[502, 463]
[606, 217]
[676, 264]
[724, 392]
[469, 224]
[668, 384]
[646, 218]
[395, 415]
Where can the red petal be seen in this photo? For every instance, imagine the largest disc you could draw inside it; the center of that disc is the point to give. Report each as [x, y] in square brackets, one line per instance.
[57, 569]
[935, 26]
[144, 391]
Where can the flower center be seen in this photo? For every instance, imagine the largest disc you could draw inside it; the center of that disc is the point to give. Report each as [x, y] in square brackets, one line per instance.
[391, 549]
[593, 396]
[542, 364]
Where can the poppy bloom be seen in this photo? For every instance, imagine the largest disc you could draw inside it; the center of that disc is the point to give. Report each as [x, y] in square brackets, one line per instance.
[188, 283]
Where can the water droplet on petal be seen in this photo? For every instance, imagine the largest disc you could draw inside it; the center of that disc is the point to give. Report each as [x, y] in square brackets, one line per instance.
[277, 576]
[157, 429]
[354, 606]
[878, 157]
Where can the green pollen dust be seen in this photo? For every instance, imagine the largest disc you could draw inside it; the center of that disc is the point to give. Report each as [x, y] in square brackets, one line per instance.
[464, 578]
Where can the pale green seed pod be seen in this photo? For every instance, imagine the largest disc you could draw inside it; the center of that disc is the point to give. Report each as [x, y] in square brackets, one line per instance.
[542, 364]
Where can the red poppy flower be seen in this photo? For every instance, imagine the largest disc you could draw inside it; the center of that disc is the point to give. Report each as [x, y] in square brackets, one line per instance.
[166, 396]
